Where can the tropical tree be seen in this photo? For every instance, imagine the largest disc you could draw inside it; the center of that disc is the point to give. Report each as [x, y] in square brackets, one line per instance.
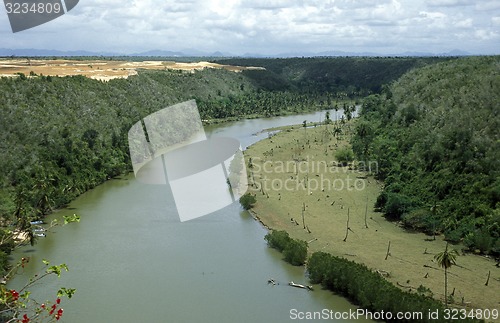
[446, 259]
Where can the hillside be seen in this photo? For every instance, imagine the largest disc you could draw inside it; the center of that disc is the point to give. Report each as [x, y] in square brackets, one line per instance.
[348, 76]
[435, 136]
[61, 136]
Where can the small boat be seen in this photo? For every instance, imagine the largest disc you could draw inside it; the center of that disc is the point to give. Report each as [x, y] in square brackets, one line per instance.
[40, 234]
[36, 222]
[39, 230]
[300, 286]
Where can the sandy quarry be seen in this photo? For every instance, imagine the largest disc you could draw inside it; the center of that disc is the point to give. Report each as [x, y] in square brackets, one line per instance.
[100, 69]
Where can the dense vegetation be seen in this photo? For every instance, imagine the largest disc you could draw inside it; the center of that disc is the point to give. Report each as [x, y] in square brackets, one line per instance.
[370, 290]
[294, 250]
[435, 135]
[351, 77]
[247, 201]
[61, 136]
[365, 287]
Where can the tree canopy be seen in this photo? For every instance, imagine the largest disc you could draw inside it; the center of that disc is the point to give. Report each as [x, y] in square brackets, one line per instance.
[435, 136]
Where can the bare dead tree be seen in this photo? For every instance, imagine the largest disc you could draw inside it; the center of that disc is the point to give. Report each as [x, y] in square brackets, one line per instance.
[347, 227]
[366, 212]
[303, 211]
[388, 251]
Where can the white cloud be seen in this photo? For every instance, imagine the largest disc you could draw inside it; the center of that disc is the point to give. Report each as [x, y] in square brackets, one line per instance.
[488, 5]
[486, 34]
[269, 26]
[466, 23]
[449, 3]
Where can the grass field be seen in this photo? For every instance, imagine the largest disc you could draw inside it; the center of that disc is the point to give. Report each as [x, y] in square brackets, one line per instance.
[297, 181]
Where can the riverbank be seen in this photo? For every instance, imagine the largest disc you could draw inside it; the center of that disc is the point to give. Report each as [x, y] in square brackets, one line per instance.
[301, 189]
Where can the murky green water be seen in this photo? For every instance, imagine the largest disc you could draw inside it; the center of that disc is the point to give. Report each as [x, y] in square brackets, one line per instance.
[132, 260]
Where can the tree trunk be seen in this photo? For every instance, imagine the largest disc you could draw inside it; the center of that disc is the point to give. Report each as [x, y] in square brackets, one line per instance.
[446, 287]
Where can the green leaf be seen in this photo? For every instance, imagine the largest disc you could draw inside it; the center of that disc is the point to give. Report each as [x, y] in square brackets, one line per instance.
[71, 218]
[54, 270]
[25, 295]
[66, 292]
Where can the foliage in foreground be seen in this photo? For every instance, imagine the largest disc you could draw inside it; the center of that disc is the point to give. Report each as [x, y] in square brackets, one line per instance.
[17, 305]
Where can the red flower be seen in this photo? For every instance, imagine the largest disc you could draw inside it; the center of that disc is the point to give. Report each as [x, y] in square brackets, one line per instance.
[59, 314]
[14, 294]
[26, 319]
[58, 301]
[53, 309]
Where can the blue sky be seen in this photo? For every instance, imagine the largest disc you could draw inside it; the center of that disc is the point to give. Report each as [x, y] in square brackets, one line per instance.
[268, 26]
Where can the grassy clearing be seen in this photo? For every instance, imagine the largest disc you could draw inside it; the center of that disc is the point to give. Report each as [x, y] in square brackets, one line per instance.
[301, 188]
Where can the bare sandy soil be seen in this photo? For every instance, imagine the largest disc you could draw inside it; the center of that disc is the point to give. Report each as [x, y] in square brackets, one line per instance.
[333, 192]
[100, 69]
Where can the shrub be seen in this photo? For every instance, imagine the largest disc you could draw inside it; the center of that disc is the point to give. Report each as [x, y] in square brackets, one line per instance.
[420, 219]
[247, 201]
[495, 249]
[278, 239]
[381, 200]
[344, 156]
[396, 205]
[367, 288]
[480, 239]
[294, 250]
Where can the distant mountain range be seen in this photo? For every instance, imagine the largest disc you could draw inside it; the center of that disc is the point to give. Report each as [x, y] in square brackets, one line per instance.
[4, 52]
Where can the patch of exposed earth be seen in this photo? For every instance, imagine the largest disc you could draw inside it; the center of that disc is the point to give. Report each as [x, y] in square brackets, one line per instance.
[100, 69]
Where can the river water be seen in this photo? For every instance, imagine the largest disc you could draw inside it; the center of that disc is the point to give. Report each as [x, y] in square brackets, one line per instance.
[132, 260]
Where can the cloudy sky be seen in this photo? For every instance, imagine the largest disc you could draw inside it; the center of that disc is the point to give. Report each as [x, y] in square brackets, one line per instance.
[268, 26]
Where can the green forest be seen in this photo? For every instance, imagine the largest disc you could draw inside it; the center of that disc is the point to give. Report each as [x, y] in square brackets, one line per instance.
[61, 136]
[352, 77]
[435, 136]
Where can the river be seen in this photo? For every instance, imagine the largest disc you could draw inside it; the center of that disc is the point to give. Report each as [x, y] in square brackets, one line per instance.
[132, 260]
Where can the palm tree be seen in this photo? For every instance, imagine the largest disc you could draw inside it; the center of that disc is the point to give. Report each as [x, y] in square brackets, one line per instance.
[446, 259]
